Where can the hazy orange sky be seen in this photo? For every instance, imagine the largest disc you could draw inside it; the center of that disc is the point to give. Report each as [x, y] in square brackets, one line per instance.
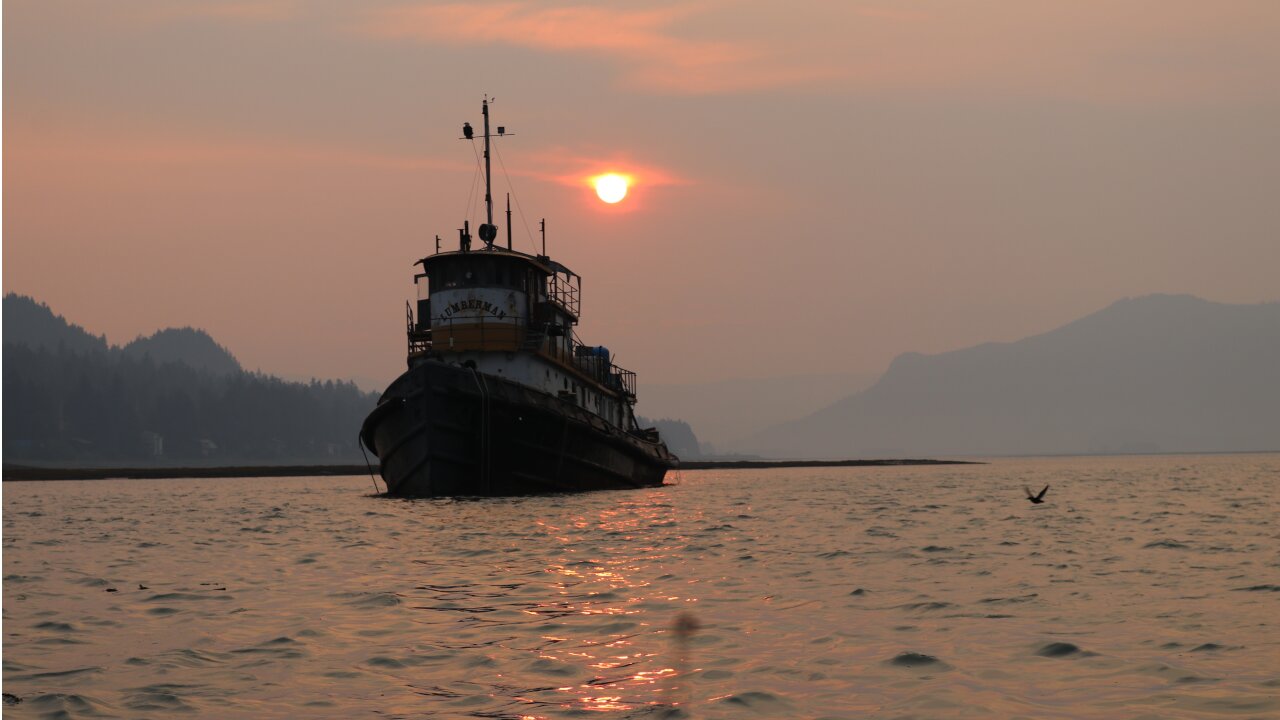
[821, 185]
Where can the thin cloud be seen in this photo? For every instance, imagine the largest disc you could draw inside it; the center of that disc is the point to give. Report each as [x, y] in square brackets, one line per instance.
[651, 54]
[61, 149]
[570, 167]
[246, 10]
[892, 13]
[229, 11]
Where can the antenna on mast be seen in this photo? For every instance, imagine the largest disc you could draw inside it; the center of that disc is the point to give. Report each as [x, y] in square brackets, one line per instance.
[508, 218]
[542, 226]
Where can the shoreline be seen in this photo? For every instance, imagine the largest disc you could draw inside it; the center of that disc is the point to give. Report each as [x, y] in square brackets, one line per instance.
[21, 473]
[750, 464]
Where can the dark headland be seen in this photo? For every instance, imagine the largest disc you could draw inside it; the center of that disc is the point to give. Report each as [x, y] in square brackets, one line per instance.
[28, 472]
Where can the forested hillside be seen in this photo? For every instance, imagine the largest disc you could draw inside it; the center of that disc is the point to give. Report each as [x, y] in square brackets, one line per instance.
[188, 345]
[71, 399]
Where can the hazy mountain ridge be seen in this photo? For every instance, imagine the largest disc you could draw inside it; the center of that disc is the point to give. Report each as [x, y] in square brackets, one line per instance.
[727, 411]
[174, 397]
[34, 324]
[677, 434]
[1159, 373]
[187, 345]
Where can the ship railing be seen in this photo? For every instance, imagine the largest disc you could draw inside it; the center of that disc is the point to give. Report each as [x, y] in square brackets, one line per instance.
[599, 366]
[625, 381]
[565, 290]
[419, 335]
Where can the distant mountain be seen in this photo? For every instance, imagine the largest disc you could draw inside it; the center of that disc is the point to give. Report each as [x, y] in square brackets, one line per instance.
[187, 345]
[727, 411]
[33, 324]
[676, 434]
[1163, 373]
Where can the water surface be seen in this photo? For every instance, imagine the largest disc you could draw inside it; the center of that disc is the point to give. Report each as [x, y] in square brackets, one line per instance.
[1144, 587]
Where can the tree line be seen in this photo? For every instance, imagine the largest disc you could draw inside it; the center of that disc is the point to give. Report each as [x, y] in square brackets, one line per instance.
[76, 407]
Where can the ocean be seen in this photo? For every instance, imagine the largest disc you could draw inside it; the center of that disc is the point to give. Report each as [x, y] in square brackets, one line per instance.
[1143, 587]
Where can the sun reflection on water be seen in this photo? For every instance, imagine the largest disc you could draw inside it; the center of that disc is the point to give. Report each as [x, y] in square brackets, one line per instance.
[628, 659]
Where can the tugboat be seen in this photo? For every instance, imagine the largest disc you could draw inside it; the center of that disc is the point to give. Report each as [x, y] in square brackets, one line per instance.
[501, 397]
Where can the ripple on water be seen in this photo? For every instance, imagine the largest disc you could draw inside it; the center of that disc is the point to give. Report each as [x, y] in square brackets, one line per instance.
[59, 641]
[91, 582]
[283, 648]
[1258, 588]
[369, 600]
[1061, 649]
[14, 578]
[55, 674]
[1168, 544]
[756, 700]
[1189, 679]
[551, 668]
[925, 607]
[908, 659]
[1253, 705]
[155, 700]
[187, 597]
[380, 661]
[68, 705]
[1010, 600]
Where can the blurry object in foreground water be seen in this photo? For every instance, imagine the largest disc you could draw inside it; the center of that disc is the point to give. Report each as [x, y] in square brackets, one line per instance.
[686, 625]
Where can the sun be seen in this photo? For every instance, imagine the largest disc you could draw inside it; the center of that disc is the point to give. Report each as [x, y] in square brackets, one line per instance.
[611, 187]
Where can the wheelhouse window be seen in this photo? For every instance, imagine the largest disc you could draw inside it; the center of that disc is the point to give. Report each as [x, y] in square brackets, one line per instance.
[484, 272]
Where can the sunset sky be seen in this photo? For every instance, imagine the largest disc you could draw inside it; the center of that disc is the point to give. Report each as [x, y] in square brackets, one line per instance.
[818, 185]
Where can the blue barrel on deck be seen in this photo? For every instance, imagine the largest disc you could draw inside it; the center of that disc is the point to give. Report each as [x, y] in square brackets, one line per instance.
[599, 351]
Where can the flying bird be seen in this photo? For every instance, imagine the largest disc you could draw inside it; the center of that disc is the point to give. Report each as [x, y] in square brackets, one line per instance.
[1036, 499]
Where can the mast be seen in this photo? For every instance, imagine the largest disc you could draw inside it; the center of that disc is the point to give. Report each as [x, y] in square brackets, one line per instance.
[488, 231]
[488, 191]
